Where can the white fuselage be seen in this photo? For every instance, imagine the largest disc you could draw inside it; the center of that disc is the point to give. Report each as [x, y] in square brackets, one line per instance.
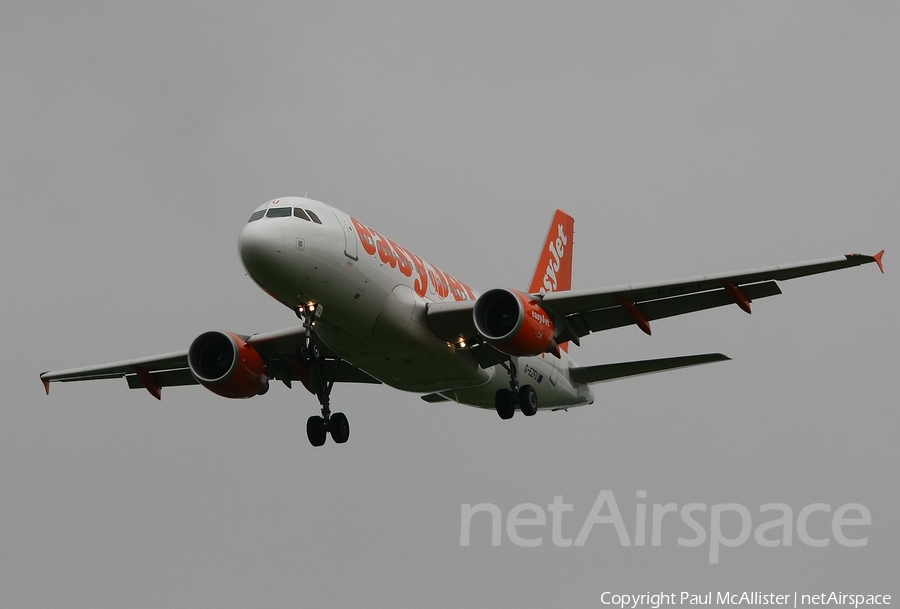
[370, 296]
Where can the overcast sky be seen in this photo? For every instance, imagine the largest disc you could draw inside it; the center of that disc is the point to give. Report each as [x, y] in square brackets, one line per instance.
[685, 138]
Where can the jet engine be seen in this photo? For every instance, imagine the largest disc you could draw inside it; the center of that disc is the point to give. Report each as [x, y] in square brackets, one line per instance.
[515, 323]
[226, 365]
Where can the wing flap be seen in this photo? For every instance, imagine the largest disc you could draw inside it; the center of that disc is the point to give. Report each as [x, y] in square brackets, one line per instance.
[278, 342]
[451, 321]
[165, 378]
[609, 372]
[434, 398]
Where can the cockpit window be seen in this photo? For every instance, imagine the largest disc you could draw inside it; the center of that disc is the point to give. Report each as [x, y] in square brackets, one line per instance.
[285, 212]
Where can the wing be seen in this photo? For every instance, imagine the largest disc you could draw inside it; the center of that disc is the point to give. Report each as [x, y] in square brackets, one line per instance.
[577, 313]
[278, 349]
[168, 369]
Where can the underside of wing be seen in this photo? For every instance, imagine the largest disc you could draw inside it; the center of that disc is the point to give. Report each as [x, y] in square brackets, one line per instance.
[584, 311]
[577, 313]
[279, 350]
[642, 312]
[171, 368]
[608, 372]
[452, 321]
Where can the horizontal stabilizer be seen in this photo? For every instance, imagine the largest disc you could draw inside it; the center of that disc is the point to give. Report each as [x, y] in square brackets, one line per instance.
[609, 372]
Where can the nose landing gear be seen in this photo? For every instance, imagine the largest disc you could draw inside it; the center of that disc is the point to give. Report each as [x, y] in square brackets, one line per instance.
[318, 427]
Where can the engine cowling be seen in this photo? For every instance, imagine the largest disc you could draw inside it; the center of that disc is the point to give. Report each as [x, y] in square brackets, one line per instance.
[226, 365]
[514, 323]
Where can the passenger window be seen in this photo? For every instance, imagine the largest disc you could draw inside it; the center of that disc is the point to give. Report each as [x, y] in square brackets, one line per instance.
[256, 215]
[314, 217]
[300, 214]
[278, 212]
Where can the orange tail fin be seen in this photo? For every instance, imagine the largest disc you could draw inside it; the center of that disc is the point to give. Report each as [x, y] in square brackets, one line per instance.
[554, 269]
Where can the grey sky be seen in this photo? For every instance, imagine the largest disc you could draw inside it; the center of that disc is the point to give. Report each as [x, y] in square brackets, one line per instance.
[685, 138]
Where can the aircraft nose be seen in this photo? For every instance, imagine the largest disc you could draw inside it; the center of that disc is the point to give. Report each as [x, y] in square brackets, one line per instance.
[260, 244]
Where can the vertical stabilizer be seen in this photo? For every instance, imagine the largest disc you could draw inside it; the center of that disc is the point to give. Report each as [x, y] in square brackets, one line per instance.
[554, 269]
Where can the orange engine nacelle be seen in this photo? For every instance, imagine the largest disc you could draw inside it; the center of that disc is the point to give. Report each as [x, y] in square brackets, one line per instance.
[514, 323]
[226, 365]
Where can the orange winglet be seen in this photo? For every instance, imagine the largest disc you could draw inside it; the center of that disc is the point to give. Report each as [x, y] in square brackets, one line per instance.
[150, 382]
[877, 258]
[739, 297]
[46, 385]
[636, 314]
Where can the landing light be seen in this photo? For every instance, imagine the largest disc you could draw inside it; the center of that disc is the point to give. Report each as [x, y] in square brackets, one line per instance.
[462, 344]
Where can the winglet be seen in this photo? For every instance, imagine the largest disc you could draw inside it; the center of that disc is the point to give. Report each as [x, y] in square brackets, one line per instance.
[46, 384]
[877, 258]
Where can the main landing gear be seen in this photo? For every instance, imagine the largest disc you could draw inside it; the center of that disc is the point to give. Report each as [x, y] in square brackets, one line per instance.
[525, 397]
[334, 423]
[317, 428]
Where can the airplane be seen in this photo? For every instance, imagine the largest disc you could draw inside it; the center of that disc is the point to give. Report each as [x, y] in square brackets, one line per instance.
[372, 311]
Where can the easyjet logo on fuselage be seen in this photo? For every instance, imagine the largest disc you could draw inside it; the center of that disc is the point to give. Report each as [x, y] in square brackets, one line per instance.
[557, 250]
[408, 263]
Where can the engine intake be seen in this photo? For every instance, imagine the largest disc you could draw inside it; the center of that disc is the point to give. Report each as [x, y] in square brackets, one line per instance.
[514, 323]
[226, 365]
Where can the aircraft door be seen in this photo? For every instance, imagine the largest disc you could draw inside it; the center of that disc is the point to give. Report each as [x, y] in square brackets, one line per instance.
[351, 243]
